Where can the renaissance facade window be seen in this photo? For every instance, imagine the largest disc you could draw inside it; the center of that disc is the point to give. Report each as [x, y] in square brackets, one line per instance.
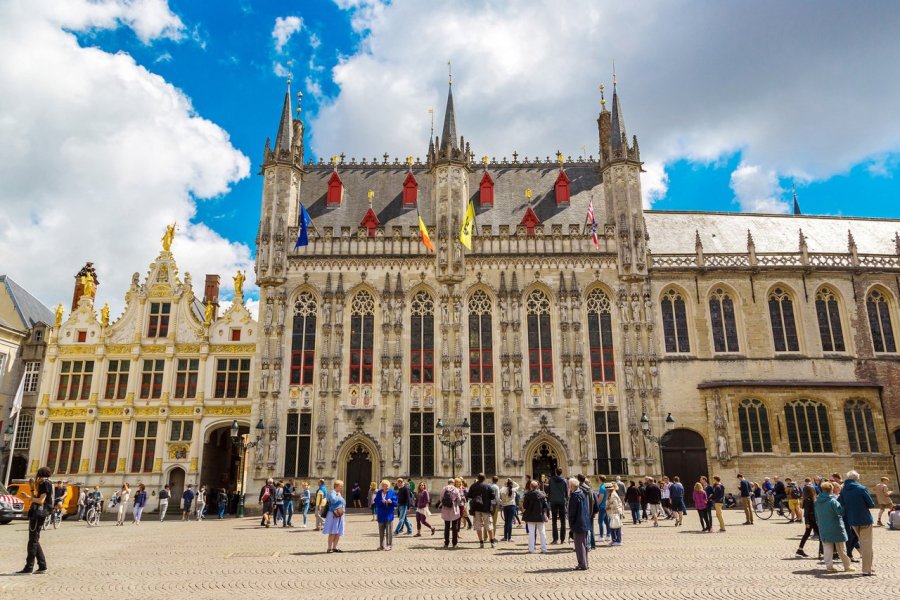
[723, 321]
[108, 440]
[182, 431]
[186, 373]
[75, 380]
[540, 347]
[144, 449]
[753, 419]
[303, 340]
[362, 332]
[829, 318]
[807, 427]
[64, 453]
[32, 373]
[675, 325]
[158, 325]
[860, 426]
[784, 328]
[421, 444]
[421, 339]
[298, 445]
[608, 439]
[117, 379]
[481, 362]
[600, 336]
[880, 322]
[483, 439]
[23, 433]
[232, 377]
[152, 379]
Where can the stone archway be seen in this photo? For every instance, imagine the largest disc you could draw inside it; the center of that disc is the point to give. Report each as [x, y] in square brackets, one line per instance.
[359, 460]
[220, 460]
[544, 455]
[684, 455]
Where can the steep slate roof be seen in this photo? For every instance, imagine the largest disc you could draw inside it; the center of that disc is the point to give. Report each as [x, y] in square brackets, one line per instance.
[510, 182]
[673, 232]
[31, 311]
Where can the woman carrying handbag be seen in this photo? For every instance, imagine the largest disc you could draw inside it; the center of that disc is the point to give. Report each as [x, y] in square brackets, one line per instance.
[615, 511]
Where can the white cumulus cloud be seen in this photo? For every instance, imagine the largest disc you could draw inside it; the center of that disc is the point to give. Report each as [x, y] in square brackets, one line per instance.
[757, 190]
[98, 154]
[284, 28]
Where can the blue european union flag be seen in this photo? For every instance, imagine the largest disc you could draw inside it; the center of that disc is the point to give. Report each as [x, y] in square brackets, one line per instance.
[305, 220]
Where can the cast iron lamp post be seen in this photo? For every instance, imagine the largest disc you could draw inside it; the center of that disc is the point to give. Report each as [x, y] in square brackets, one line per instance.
[244, 445]
[645, 429]
[453, 436]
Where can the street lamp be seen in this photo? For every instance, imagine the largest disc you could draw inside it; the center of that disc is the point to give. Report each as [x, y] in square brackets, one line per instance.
[645, 429]
[244, 445]
[453, 436]
[7, 436]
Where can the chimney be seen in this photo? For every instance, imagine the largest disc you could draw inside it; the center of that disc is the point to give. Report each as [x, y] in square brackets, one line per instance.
[88, 268]
[211, 293]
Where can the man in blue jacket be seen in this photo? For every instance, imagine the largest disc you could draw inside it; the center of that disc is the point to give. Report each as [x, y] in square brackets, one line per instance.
[579, 522]
[559, 495]
[857, 503]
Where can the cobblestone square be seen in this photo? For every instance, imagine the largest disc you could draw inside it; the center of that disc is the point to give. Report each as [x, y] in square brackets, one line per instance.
[236, 558]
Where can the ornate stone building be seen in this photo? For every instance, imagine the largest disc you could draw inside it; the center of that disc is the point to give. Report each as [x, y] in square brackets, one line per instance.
[769, 339]
[151, 396]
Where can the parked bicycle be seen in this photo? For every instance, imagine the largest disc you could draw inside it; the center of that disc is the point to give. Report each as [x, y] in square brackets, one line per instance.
[92, 514]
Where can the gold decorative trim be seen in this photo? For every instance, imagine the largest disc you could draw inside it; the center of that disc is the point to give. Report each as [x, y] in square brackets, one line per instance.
[111, 411]
[227, 411]
[157, 465]
[154, 349]
[120, 468]
[87, 349]
[187, 348]
[181, 411]
[68, 413]
[178, 451]
[146, 411]
[119, 349]
[232, 349]
[85, 466]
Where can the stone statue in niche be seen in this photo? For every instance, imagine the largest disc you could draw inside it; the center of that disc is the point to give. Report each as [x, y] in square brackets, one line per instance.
[579, 377]
[457, 251]
[635, 435]
[635, 308]
[504, 375]
[721, 425]
[445, 379]
[323, 378]
[320, 449]
[338, 312]
[258, 456]
[397, 447]
[514, 317]
[398, 311]
[457, 379]
[576, 311]
[457, 310]
[264, 381]
[445, 312]
[385, 377]
[336, 379]
[269, 312]
[626, 251]
[654, 376]
[582, 443]
[642, 378]
[273, 451]
[504, 306]
[262, 256]
[517, 376]
[629, 377]
[398, 379]
[276, 380]
[567, 376]
[326, 312]
[507, 443]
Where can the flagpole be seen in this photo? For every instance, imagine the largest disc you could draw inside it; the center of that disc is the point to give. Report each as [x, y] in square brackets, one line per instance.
[12, 446]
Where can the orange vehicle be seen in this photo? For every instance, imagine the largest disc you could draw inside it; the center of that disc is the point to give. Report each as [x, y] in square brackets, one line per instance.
[21, 488]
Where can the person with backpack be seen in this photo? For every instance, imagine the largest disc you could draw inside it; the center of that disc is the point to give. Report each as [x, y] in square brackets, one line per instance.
[746, 491]
[536, 512]
[585, 488]
[579, 514]
[187, 499]
[633, 500]
[857, 502]
[321, 499]
[123, 497]
[288, 497]
[267, 501]
[404, 499]
[41, 497]
[482, 497]
[451, 501]
[559, 496]
[278, 506]
[652, 500]
[602, 518]
[831, 528]
[164, 495]
[222, 502]
[676, 500]
[793, 493]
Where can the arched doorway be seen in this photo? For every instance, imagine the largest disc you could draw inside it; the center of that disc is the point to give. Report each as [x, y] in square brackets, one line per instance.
[684, 454]
[544, 461]
[221, 458]
[359, 467]
[176, 486]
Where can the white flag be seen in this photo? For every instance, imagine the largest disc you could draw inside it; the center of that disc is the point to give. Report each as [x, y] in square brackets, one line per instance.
[17, 401]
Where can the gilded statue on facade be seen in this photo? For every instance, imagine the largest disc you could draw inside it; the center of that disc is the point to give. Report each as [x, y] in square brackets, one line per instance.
[104, 315]
[88, 285]
[239, 279]
[208, 314]
[168, 237]
[59, 314]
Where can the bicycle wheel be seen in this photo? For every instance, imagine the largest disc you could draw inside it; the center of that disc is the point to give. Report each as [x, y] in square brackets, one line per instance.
[94, 517]
[763, 511]
[57, 519]
[47, 521]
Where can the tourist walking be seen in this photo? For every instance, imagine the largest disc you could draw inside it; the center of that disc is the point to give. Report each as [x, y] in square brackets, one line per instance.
[495, 505]
[808, 502]
[793, 499]
[559, 496]
[222, 502]
[701, 503]
[124, 495]
[267, 501]
[831, 527]
[423, 502]
[187, 499]
[536, 512]
[603, 493]
[653, 498]
[321, 499]
[201, 502]
[746, 491]
[615, 514]
[140, 500]
[404, 500]
[642, 491]
[356, 495]
[464, 507]
[164, 495]
[883, 498]
[665, 490]
[370, 502]
[334, 515]
[288, 496]
[451, 500]
[718, 499]
[481, 497]
[857, 503]
[579, 522]
[508, 495]
[633, 499]
[41, 497]
[82, 497]
[304, 500]
[385, 502]
[676, 500]
[278, 504]
[585, 488]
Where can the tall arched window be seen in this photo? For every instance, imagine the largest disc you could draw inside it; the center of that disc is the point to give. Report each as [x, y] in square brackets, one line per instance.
[540, 350]
[807, 426]
[784, 328]
[880, 322]
[674, 318]
[23, 433]
[421, 339]
[362, 331]
[754, 422]
[303, 339]
[724, 324]
[481, 362]
[860, 426]
[600, 336]
[829, 317]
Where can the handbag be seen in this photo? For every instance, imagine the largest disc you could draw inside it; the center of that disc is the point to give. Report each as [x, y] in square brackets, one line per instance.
[324, 512]
[615, 521]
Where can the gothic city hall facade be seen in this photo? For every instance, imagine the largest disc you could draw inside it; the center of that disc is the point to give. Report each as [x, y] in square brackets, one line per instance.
[648, 342]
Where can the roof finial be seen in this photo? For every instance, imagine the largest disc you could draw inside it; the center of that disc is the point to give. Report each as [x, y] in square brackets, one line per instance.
[299, 99]
[796, 203]
[431, 112]
[371, 196]
[290, 75]
[614, 75]
[449, 73]
[602, 98]
[559, 158]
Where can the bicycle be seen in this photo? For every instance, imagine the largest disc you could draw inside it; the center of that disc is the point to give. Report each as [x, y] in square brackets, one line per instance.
[765, 509]
[92, 516]
[54, 519]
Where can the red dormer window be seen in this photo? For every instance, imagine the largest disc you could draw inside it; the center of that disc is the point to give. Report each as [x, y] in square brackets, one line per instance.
[335, 190]
[486, 190]
[530, 220]
[562, 188]
[410, 190]
[370, 222]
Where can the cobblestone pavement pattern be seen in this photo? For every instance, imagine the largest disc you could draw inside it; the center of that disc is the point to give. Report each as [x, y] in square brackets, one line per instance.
[235, 558]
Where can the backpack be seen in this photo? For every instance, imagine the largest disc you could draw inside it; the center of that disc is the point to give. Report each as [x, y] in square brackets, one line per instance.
[266, 495]
[447, 499]
[795, 492]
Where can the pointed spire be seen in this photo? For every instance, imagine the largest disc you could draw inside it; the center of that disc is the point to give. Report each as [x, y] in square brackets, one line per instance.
[285, 127]
[617, 135]
[562, 284]
[448, 134]
[897, 242]
[503, 278]
[751, 245]
[573, 288]
[803, 246]
[698, 244]
[328, 285]
[340, 285]
[796, 203]
[851, 243]
[398, 288]
[387, 284]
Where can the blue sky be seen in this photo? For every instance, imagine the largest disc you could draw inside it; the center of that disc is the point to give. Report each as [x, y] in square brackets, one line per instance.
[158, 110]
